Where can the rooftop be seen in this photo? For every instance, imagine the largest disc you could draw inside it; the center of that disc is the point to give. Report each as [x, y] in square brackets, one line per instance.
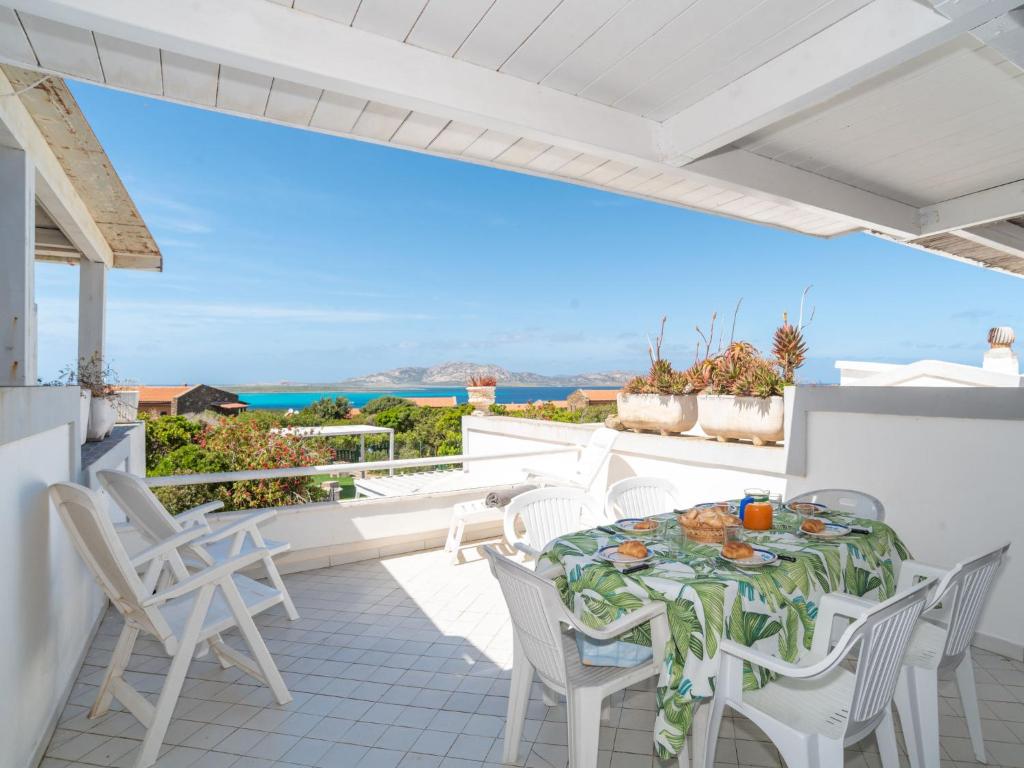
[405, 661]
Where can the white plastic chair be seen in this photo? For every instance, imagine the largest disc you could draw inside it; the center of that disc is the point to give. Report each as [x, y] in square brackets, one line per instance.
[641, 497]
[546, 514]
[856, 503]
[180, 616]
[942, 641]
[588, 465]
[540, 646]
[156, 524]
[817, 707]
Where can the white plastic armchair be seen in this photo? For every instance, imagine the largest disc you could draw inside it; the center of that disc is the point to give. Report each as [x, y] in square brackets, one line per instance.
[588, 465]
[941, 642]
[541, 647]
[546, 514]
[816, 708]
[856, 503]
[240, 537]
[641, 497]
[180, 615]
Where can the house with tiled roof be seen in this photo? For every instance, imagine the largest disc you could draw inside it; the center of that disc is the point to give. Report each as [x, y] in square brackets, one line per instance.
[188, 400]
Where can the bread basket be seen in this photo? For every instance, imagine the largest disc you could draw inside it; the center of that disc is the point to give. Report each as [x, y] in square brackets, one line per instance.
[707, 525]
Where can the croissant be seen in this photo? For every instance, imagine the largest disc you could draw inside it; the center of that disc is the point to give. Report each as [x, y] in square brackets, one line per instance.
[646, 525]
[737, 550]
[813, 525]
[632, 549]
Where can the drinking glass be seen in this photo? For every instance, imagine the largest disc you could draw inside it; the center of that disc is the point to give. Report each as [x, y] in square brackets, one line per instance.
[732, 533]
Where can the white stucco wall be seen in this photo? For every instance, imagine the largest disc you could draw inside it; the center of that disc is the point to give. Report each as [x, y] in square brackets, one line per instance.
[49, 603]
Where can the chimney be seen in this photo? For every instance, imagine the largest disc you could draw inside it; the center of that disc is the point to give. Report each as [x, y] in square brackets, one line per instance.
[1000, 358]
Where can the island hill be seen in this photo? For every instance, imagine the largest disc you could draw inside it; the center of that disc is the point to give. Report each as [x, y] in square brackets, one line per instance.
[454, 374]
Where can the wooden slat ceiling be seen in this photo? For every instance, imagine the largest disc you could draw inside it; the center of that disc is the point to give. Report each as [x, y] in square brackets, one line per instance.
[950, 243]
[76, 147]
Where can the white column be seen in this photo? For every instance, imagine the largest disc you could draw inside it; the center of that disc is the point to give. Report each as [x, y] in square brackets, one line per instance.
[17, 268]
[92, 309]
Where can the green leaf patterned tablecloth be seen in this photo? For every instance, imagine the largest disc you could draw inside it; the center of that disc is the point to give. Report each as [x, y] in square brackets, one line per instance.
[772, 608]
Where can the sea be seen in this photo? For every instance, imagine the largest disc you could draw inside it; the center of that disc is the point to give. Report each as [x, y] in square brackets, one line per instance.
[280, 401]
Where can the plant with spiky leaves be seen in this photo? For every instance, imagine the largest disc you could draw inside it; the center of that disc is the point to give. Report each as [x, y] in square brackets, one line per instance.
[789, 348]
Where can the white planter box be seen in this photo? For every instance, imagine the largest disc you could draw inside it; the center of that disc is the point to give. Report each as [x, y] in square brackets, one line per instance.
[481, 398]
[759, 419]
[127, 406]
[667, 414]
[84, 402]
[102, 416]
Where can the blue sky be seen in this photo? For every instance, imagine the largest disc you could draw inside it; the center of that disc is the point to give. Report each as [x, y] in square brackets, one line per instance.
[295, 256]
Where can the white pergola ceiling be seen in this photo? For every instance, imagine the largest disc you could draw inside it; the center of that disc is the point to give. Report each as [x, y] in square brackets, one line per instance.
[819, 116]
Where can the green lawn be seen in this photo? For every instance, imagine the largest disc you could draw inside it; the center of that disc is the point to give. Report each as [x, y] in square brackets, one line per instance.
[345, 484]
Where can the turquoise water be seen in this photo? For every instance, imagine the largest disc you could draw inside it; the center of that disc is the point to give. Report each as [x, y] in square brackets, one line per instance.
[279, 401]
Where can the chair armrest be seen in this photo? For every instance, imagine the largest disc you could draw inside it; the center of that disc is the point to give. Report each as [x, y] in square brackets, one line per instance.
[835, 605]
[631, 620]
[546, 478]
[551, 572]
[912, 570]
[168, 545]
[244, 524]
[526, 549]
[758, 658]
[198, 514]
[206, 576]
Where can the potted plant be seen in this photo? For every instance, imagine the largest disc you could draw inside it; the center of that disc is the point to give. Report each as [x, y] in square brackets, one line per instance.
[481, 393]
[662, 401]
[95, 383]
[743, 397]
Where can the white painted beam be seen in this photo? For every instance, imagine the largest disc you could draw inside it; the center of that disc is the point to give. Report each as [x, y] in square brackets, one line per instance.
[866, 43]
[787, 184]
[274, 41]
[54, 189]
[17, 266]
[988, 205]
[92, 310]
[1001, 235]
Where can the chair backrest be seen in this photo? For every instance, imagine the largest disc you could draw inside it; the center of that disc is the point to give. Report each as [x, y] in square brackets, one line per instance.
[140, 504]
[883, 634]
[535, 608]
[548, 513]
[641, 497]
[593, 455]
[98, 544]
[856, 503]
[962, 594]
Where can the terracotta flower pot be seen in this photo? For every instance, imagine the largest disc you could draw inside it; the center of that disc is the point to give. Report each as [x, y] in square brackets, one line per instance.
[727, 417]
[666, 414]
[481, 398]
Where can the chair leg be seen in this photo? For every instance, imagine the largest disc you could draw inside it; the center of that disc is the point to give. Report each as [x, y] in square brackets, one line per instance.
[917, 701]
[215, 643]
[886, 736]
[253, 639]
[118, 663]
[275, 578]
[969, 698]
[168, 698]
[583, 713]
[518, 699]
[698, 736]
[706, 757]
[549, 697]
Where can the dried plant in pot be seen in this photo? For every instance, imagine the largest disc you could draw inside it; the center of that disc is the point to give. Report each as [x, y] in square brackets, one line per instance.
[743, 399]
[95, 383]
[662, 401]
[481, 393]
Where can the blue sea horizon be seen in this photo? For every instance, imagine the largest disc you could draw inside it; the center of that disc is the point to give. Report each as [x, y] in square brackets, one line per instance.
[280, 401]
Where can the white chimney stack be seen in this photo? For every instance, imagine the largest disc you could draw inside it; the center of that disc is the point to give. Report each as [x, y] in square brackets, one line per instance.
[1000, 357]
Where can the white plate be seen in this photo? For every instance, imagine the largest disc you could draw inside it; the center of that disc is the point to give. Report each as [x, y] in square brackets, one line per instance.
[812, 508]
[759, 558]
[612, 555]
[832, 531]
[628, 524]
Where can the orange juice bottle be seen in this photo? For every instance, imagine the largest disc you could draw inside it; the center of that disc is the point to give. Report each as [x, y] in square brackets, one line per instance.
[758, 516]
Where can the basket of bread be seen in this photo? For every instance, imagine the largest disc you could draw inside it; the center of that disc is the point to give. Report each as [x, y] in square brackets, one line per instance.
[708, 524]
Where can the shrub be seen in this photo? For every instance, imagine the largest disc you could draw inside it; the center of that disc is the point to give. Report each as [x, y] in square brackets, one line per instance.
[383, 403]
[166, 434]
[328, 409]
[189, 459]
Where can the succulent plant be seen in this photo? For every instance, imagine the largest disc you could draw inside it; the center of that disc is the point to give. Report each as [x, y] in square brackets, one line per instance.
[789, 348]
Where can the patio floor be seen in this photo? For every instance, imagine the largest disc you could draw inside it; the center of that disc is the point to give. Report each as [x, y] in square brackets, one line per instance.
[405, 662]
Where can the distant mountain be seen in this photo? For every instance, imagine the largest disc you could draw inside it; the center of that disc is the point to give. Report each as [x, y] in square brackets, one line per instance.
[457, 373]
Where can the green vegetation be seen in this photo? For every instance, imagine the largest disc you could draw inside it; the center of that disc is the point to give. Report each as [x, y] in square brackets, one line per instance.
[176, 446]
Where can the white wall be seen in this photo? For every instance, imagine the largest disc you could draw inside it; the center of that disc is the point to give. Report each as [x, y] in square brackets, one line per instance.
[49, 603]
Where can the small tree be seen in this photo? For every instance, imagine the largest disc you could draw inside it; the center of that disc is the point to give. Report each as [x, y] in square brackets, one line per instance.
[165, 434]
[328, 409]
[384, 403]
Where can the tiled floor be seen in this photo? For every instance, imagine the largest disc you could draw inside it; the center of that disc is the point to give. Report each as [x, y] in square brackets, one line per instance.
[405, 662]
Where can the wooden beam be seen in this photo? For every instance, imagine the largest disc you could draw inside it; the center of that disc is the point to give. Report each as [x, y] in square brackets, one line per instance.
[969, 211]
[54, 189]
[866, 43]
[17, 265]
[787, 184]
[275, 41]
[1001, 235]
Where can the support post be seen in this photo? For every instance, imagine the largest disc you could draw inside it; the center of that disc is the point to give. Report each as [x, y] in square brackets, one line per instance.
[362, 452]
[391, 451]
[17, 266]
[92, 310]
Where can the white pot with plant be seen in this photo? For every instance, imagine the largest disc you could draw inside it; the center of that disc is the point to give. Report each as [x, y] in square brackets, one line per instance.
[84, 407]
[744, 396]
[95, 381]
[481, 393]
[662, 401]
